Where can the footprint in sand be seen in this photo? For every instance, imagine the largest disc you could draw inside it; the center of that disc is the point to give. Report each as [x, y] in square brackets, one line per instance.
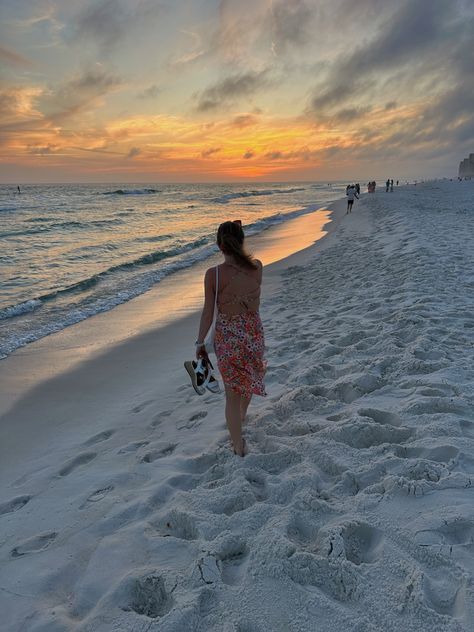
[34, 545]
[193, 421]
[363, 544]
[140, 407]
[184, 482]
[274, 462]
[293, 429]
[101, 436]
[467, 427]
[207, 604]
[132, 447]
[328, 575]
[228, 555]
[302, 531]
[158, 453]
[457, 532]
[79, 460]
[14, 504]
[158, 419]
[201, 464]
[366, 435]
[428, 355]
[99, 494]
[440, 454]
[233, 563]
[238, 502]
[149, 597]
[200, 415]
[339, 416]
[380, 416]
[348, 390]
[438, 405]
[177, 524]
[258, 485]
[445, 593]
[424, 470]
[351, 339]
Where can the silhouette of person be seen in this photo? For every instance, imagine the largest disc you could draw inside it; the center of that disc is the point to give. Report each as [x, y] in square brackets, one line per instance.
[351, 194]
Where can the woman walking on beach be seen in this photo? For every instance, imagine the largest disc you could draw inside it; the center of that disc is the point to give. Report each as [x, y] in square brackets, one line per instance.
[239, 339]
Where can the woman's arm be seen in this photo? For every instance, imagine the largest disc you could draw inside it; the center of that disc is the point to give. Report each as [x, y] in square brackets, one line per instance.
[208, 309]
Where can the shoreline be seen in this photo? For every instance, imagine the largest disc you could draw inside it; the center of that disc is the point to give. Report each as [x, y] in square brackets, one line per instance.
[353, 508]
[44, 374]
[89, 273]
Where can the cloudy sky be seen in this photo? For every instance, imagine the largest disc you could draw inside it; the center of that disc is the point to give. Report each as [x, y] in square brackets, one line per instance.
[222, 90]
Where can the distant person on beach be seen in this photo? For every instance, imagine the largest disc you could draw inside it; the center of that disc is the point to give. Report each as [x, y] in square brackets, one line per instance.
[351, 195]
[239, 339]
[391, 186]
[397, 183]
[357, 187]
[18, 187]
[387, 186]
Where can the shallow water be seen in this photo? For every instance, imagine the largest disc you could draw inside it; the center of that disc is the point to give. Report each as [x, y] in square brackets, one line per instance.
[71, 251]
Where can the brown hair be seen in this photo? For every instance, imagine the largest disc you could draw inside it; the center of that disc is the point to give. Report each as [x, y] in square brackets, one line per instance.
[230, 239]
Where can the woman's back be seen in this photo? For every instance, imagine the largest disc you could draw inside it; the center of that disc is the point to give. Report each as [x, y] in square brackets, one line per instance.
[239, 340]
[239, 288]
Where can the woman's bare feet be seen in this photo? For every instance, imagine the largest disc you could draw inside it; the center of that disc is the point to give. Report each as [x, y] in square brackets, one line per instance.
[242, 451]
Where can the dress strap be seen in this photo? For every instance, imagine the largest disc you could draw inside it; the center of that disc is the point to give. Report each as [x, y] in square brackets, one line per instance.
[238, 269]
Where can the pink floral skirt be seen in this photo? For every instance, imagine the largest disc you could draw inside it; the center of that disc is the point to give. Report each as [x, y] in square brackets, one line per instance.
[240, 344]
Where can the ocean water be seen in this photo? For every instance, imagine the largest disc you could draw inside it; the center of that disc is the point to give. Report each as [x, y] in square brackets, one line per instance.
[71, 251]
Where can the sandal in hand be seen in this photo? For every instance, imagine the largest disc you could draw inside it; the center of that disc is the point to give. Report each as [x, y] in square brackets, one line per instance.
[198, 373]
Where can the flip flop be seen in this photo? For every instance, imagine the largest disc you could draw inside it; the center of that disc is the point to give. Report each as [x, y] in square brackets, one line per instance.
[198, 374]
[211, 382]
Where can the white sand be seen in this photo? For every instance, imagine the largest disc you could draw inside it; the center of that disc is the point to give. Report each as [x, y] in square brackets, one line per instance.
[354, 509]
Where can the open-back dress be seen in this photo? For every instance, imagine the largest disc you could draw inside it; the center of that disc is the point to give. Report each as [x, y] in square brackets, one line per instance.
[239, 339]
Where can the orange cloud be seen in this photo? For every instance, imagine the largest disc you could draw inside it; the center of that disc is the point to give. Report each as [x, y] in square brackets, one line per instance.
[243, 146]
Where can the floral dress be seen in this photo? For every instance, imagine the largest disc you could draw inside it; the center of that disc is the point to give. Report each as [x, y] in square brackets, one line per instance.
[239, 345]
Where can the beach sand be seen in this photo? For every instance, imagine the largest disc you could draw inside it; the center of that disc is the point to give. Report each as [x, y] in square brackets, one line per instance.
[122, 507]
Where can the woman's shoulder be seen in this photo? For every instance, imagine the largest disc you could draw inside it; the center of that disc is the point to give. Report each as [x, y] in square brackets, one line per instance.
[210, 273]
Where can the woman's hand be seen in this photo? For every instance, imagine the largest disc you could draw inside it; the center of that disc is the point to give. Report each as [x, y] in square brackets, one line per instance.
[201, 352]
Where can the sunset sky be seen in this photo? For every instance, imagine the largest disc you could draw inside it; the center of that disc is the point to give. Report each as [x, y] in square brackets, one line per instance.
[209, 90]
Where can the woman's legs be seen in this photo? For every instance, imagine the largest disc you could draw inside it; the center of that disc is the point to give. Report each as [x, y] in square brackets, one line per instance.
[233, 419]
[244, 404]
